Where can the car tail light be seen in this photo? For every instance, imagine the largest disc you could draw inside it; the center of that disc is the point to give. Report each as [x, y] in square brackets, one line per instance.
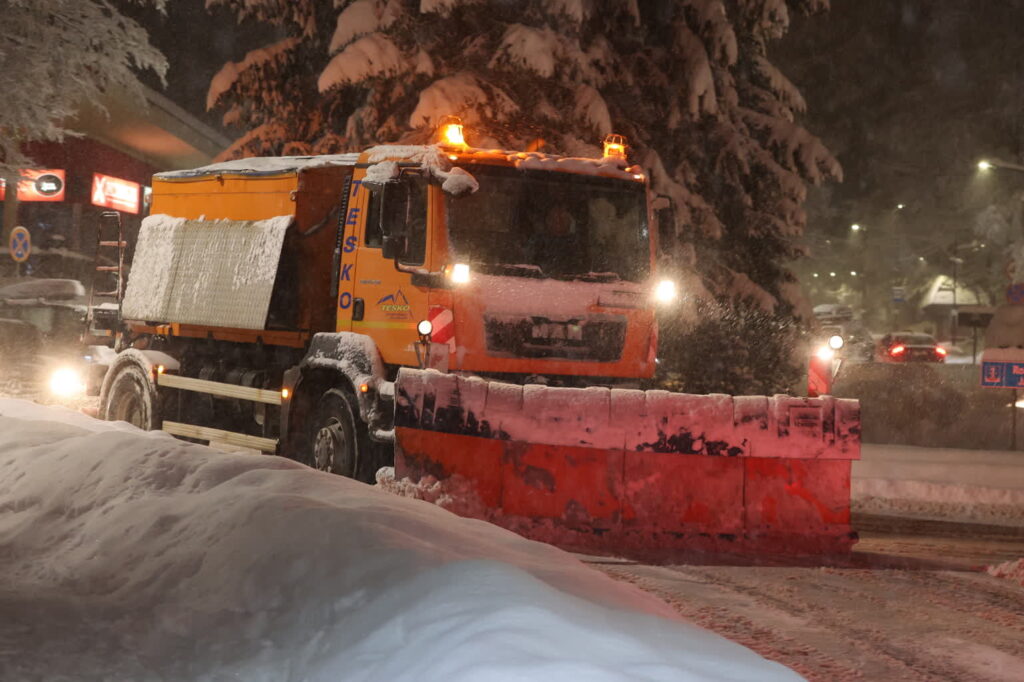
[941, 351]
[897, 350]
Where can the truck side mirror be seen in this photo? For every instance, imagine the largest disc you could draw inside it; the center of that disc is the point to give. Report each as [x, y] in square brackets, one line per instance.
[394, 246]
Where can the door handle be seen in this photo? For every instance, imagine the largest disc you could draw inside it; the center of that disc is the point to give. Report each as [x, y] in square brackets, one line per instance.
[358, 309]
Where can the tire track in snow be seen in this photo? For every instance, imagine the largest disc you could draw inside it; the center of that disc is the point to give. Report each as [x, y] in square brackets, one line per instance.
[849, 624]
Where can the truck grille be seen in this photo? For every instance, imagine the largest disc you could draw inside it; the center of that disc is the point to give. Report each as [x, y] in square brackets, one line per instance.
[598, 339]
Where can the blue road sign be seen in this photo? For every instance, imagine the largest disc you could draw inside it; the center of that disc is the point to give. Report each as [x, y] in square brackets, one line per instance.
[1002, 374]
[20, 244]
[1015, 293]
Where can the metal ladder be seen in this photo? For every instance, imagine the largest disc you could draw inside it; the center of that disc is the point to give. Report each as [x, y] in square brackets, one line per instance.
[109, 226]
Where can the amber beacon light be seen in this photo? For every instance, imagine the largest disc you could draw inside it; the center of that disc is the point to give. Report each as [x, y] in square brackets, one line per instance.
[450, 132]
[615, 147]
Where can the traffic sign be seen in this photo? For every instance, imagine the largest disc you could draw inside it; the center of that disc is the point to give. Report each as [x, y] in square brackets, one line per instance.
[20, 244]
[1002, 374]
[899, 295]
[1015, 293]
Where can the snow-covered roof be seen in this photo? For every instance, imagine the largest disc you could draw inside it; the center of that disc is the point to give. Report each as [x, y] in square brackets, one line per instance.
[430, 157]
[522, 160]
[263, 165]
[37, 289]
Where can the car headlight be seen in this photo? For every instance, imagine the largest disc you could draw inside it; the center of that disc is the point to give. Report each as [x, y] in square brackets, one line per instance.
[66, 382]
[665, 291]
[835, 342]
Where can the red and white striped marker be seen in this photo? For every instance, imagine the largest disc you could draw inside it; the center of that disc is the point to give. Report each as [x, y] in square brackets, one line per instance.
[443, 323]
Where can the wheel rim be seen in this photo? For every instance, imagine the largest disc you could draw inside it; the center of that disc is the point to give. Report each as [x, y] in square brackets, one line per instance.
[130, 410]
[330, 446]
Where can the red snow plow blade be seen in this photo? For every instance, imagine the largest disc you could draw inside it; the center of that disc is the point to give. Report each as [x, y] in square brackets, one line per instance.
[647, 474]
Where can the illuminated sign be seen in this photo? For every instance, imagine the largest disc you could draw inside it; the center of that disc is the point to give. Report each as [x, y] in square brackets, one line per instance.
[38, 185]
[115, 193]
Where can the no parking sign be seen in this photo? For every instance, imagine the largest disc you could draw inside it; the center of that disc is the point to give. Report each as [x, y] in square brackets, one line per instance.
[20, 244]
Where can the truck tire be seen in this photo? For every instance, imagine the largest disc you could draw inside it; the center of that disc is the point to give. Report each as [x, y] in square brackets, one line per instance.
[337, 438]
[131, 397]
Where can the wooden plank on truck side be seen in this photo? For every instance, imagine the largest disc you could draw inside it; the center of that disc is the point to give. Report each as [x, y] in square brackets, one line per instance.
[256, 395]
[210, 434]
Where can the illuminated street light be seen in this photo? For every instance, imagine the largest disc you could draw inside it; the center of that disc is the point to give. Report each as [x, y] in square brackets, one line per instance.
[831, 274]
[855, 227]
[815, 274]
[900, 207]
[853, 272]
[989, 164]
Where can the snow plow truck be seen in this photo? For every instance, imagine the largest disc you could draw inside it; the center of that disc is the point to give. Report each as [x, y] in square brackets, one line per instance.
[482, 319]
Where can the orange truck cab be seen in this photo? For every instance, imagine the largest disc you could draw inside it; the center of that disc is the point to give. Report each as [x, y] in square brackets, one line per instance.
[272, 301]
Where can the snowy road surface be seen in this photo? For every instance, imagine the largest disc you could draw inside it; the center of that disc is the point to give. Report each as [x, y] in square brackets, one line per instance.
[134, 556]
[833, 624]
[912, 602]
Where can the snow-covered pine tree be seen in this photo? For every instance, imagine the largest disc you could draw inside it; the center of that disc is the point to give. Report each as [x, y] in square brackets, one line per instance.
[688, 81]
[57, 56]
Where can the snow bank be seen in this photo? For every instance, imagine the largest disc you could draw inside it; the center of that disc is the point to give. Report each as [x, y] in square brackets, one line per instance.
[1011, 570]
[945, 484]
[135, 556]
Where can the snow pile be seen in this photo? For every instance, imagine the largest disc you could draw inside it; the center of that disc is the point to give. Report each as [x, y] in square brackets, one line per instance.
[432, 160]
[1011, 570]
[136, 556]
[945, 484]
[371, 56]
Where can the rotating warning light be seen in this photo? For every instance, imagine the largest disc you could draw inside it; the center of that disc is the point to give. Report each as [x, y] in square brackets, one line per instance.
[425, 328]
[615, 147]
[450, 132]
[835, 342]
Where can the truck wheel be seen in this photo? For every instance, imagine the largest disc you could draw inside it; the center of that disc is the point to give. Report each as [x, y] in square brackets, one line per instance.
[335, 435]
[131, 397]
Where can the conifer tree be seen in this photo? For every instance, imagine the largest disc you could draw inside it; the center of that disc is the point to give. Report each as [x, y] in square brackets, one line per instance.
[58, 56]
[687, 81]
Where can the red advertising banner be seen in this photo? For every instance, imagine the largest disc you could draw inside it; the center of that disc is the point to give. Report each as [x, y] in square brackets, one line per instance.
[115, 193]
[38, 185]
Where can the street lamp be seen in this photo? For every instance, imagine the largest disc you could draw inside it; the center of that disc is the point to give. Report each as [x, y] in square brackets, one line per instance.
[855, 227]
[989, 164]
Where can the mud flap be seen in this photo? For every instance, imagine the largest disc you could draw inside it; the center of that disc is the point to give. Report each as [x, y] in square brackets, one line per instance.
[648, 474]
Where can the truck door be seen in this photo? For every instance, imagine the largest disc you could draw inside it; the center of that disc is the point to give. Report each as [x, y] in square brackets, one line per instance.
[384, 294]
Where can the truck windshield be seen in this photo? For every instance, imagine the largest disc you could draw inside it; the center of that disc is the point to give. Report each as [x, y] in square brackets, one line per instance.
[551, 224]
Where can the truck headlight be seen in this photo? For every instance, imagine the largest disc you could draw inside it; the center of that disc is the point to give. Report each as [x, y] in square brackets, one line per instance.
[665, 291]
[825, 353]
[460, 273]
[66, 382]
[835, 342]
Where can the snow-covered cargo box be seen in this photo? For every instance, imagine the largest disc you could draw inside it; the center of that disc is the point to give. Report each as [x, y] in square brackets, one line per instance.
[246, 244]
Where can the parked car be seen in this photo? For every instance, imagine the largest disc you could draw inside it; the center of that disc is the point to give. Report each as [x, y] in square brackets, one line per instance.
[909, 347]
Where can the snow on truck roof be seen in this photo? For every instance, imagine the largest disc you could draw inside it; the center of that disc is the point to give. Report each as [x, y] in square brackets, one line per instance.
[428, 156]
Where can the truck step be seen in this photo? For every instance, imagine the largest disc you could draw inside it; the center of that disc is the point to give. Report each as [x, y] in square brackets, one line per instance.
[206, 433]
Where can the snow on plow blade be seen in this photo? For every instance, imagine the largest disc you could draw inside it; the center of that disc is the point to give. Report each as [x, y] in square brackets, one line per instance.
[648, 474]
